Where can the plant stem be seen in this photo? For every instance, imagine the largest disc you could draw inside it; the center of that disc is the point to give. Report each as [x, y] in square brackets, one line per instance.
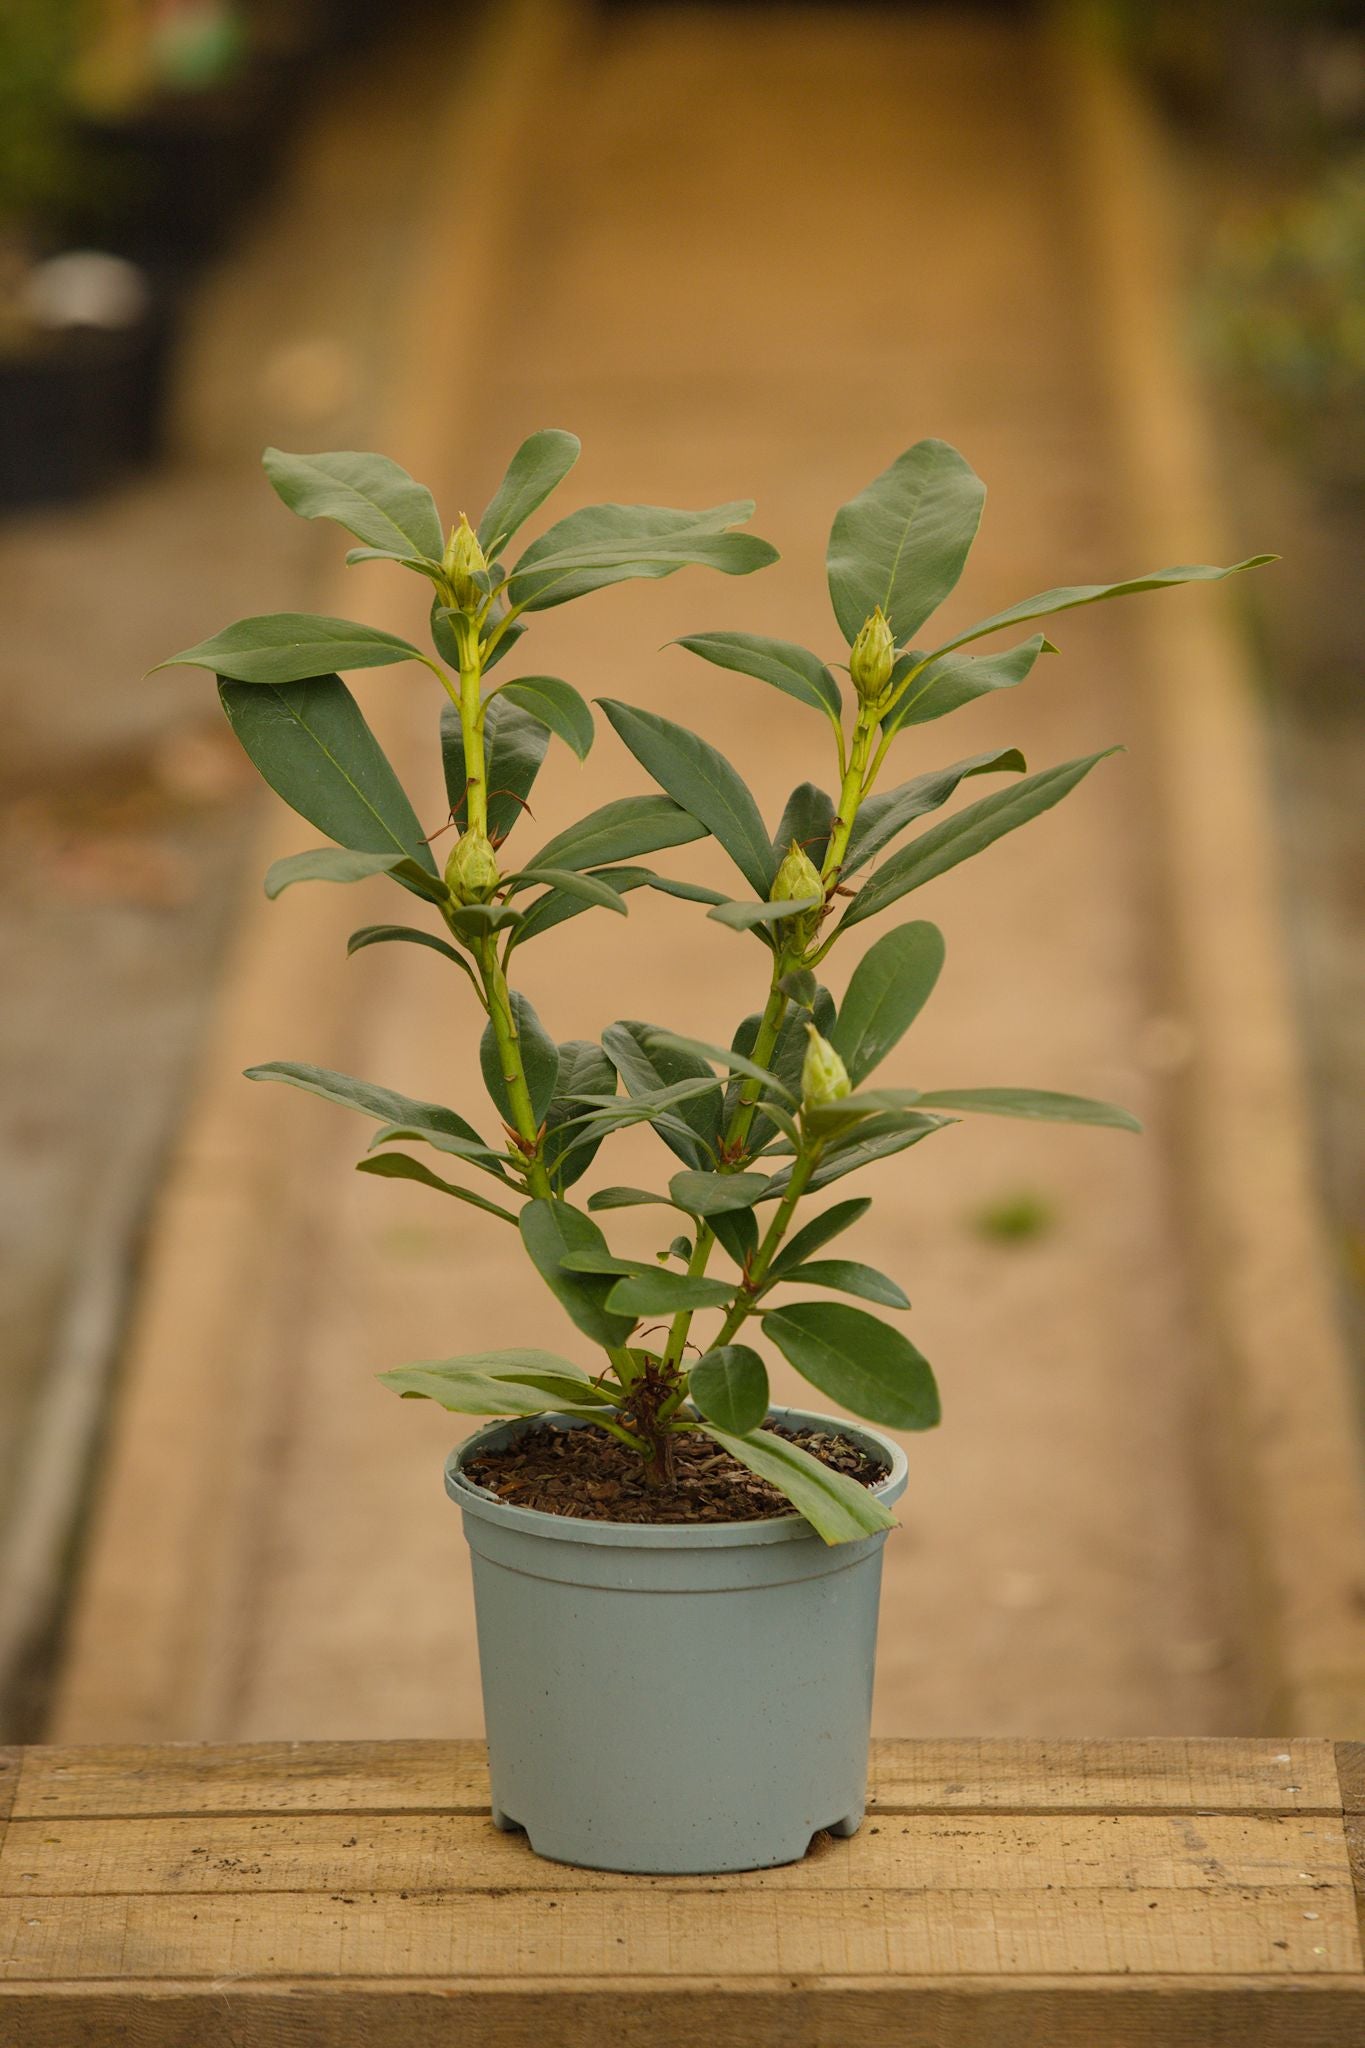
[682, 1322]
[770, 1024]
[804, 1166]
[471, 728]
[496, 994]
[503, 1019]
[850, 795]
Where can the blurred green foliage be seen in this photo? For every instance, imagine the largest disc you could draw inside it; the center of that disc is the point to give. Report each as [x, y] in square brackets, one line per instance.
[1282, 320]
[40, 159]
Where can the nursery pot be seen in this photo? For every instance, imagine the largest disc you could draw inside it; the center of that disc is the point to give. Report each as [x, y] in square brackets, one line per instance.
[673, 1697]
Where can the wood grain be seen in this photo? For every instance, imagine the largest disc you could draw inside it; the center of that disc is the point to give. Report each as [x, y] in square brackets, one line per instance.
[1180, 1776]
[1049, 1895]
[920, 2012]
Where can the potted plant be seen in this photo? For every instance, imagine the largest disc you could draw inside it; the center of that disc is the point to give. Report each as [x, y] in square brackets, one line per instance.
[676, 1583]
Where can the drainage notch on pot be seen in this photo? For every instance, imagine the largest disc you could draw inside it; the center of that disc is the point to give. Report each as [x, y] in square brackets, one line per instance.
[674, 1697]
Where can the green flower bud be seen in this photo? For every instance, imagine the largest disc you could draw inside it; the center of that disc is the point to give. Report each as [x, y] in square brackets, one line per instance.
[472, 870]
[824, 1077]
[464, 559]
[873, 657]
[798, 876]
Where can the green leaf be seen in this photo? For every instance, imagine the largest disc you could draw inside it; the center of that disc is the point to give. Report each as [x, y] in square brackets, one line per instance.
[880, 818]
[619, 831]
[539, 466]
[858, 1151]
[539, 1059]
[607, 1262]
[480, 920]
[312, 745]
[808, 819]
[498, 1383]
[837, 1507]
[699, 778]
[588, 887]
[367, 494]
[291, 647]
[713, 1194]
[603, 544]
[968, 832]
[689, 892]
[848, 1276]
[736, 1231]
[557, 705]
[730, 1387]
[787, 667]
[724, 1056]
[662, 1293]
[472, 1150]
[858, 1361]
[514, 746]
[385, 1105]
[400, 1166]
[955, 679]
[556, 905]
[1040, 1104]
[1068, 597]
[626, 1198]
[645, 1066]
[787, 1061]
[819, 1231]
[583, 1067]
[385, 934]
[888, 989]
[902, 543]
[548, 1231]
[339, 864]
[746, 917]
[354, 556]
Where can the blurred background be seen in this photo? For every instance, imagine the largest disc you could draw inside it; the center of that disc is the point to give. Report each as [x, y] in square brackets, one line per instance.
[1114, 253]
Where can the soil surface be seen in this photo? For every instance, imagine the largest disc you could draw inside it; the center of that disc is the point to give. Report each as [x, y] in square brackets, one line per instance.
[589, 1475]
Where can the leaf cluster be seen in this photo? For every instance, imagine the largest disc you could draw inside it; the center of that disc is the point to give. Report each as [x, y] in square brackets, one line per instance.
[750, 1130]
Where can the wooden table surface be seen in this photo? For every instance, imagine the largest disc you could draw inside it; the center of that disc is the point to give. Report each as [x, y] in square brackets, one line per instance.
[999, 1892]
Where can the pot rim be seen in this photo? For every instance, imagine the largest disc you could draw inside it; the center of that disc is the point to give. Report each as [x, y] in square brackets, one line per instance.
[478, 1501]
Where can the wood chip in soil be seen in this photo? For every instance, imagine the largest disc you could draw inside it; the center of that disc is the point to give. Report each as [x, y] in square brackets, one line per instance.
[587, 1474]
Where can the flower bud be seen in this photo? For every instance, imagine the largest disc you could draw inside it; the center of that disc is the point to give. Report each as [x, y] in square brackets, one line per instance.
[464, 559]
[824, 1077]
[798, 876]
[797, 879]
[472, 870]
[873, 657]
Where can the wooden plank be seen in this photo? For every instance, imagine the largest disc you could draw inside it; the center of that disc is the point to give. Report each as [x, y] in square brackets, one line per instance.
[731, 1930]
[920, 2012]
[1158, 1775]
[254, 1777]
[1350, 1759]
[327, 1853]
[1196, 1775]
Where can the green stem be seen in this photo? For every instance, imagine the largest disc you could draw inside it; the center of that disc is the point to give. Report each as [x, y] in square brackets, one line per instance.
[736, 1131]
[682, 1322]
[471, 728]
[745, 1304]
[503, 1019]
[855, 786]
[770, 1024]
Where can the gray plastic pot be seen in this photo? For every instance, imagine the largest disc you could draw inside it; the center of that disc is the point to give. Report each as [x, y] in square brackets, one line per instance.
[673, 1697]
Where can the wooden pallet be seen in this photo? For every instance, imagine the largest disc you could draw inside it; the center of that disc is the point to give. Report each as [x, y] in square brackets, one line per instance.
[1047, 1893]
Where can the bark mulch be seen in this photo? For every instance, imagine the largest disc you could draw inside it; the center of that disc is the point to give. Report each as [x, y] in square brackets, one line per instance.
[589, 1475]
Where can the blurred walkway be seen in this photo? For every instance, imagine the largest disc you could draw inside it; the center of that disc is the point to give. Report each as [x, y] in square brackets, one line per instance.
[748, 254]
